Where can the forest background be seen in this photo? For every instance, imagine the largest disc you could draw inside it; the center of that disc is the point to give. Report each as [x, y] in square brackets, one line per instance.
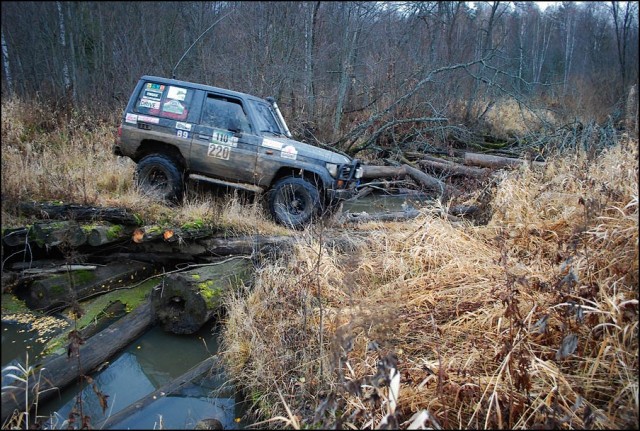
[389, 73]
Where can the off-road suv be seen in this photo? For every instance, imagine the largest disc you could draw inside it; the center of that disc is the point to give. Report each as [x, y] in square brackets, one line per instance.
[176, 130]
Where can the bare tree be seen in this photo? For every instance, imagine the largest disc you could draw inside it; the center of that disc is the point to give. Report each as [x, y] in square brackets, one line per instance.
[6, 64]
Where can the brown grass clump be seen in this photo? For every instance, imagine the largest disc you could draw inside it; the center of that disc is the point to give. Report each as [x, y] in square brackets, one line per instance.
[528, 322]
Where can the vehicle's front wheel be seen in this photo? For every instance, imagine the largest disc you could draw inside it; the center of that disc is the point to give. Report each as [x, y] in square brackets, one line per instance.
[160, 177]
[293, 201]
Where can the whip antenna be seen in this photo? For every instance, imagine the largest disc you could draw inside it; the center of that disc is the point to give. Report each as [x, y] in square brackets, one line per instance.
[173, 73]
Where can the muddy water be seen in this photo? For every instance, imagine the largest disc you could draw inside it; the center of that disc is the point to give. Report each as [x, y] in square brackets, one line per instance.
[377, 203]
[151, 361]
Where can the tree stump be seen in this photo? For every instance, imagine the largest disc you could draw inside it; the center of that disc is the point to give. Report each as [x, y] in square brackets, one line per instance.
[187, 300]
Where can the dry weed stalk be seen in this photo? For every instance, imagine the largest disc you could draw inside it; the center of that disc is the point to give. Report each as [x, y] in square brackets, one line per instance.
[528, 322]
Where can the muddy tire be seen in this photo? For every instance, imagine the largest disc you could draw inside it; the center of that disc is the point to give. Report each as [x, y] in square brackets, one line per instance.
[293, 202]
[160, 177]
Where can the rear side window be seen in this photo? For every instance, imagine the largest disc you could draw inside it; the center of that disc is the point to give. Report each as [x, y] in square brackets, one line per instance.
[168, 101]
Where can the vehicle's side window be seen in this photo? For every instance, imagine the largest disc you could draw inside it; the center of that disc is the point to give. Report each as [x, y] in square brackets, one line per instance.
[167, 101]
[225, 113]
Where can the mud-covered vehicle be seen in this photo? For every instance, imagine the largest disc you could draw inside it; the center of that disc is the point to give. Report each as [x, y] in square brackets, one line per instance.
[177, 130]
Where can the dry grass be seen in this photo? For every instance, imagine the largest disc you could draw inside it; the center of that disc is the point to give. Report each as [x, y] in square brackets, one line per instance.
[530, 321]
[66, 156]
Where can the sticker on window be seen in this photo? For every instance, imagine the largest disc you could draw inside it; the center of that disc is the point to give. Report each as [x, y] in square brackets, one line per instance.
[131, 118]
[271, 144]
[150, 94]
[182, 134]
[289, 152]
[183, 126]
[148, 103]
[223, 137]
[148, 119]
[219, 151]
[156, 87]
[176, 93]
[174, 107]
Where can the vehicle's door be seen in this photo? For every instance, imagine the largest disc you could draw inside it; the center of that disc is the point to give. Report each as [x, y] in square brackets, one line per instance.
[224, 145]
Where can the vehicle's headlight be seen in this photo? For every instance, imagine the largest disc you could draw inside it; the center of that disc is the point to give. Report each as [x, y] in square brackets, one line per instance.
[333, 169]
[359, 172]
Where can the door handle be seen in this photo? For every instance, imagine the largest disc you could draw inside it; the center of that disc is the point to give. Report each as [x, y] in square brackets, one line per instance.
[205, 137]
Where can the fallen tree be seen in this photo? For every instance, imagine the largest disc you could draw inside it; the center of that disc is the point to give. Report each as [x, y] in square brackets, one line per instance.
[187, 300]
[61, 370]
[48, 210]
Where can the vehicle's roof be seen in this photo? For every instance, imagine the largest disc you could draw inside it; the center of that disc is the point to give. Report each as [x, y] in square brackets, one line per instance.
[203, 87]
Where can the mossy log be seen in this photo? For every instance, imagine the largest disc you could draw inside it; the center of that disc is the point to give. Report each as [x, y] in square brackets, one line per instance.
[78, 212]
[59, 371]
[106, 233]
[60, 290]
[55, 233]
[15, 237]
[189, 299]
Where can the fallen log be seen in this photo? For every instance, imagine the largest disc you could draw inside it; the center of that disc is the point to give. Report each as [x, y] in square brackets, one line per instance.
[107, 233]
[59, 291]
[189, 299]
[495, 162]
[163, 391]
[78, 212]
[60, 370]
[54, 233]
[454, 168]
[421, 178]
[15, 237]
[364, 217]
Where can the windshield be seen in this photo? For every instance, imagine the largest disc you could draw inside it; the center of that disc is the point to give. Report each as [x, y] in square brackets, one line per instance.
[266, 120]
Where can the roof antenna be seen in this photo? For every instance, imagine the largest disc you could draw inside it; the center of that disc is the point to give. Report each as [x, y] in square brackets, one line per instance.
[173, 73]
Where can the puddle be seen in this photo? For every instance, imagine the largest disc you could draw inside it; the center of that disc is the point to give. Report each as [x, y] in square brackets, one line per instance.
[377, 203]
[153, 360]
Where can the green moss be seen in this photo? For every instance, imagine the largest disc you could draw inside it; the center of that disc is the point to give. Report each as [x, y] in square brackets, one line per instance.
[114, 231]
[196, 276]
[139, 220]
[11, 305]
[93, 309]
[196, 224]
[210, 292]
[154, 229]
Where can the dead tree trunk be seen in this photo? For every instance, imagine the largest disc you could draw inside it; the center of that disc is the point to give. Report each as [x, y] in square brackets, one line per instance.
[189, 299]
[495, 162]
[61, 370]
[454, 168]
[60, 290]
[107, 233]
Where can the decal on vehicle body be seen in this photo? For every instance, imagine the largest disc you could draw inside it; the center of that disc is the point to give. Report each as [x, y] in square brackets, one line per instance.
[157, 87]
[131, 118]
[219, 151]
[182, 134]
[269, 143]
[224, 137]
[289, 152]
[148, 119]
[183, 126]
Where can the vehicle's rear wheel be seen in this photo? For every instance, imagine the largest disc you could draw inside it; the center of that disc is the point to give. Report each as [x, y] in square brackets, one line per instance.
[159, 177]
[293, 201]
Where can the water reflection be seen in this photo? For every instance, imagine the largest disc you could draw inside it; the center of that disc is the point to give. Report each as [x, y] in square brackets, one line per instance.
[151, 361]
